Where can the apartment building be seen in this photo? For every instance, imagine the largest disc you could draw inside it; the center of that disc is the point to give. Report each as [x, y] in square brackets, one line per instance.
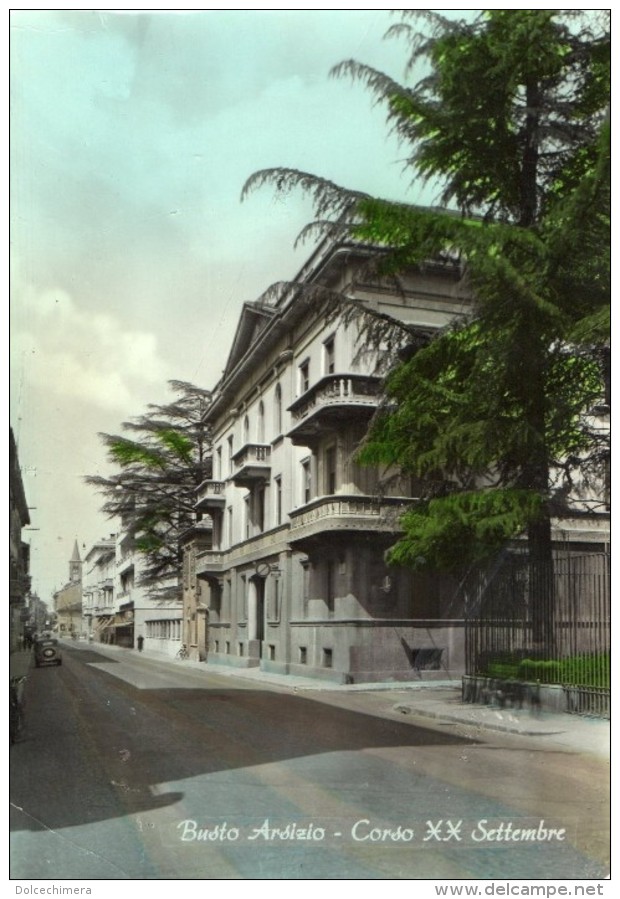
[98, 587]
[140, 619]
[296, 577]
[116, 608]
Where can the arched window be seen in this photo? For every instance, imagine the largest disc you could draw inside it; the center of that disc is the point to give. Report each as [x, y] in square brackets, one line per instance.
[277, 410]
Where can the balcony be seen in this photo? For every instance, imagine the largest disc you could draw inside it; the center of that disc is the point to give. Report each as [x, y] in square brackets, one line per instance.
[107, 609]
[330, 402]
[209, 562]
[328, 516]
[210, 496]
[252, 464]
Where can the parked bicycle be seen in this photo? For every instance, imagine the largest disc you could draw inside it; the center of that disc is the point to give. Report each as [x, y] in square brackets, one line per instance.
[16, 707]
[183, 653]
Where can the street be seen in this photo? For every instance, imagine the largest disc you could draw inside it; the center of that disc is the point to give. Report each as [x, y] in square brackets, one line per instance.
[135, 768]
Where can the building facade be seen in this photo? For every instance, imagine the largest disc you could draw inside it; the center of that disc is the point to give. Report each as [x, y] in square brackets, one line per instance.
[297, 581]
[19, 551]
[68, 600]
[98, 588]
[117, 609]
[195, 635]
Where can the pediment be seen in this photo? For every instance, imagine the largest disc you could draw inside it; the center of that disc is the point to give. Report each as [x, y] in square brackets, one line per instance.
[253, 320]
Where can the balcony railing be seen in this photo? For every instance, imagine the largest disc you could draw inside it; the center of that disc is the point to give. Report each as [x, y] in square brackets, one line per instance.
[252, 463]
[210, 496]
[330, 400]
[209, 562]
[107, 609]
[347, 514]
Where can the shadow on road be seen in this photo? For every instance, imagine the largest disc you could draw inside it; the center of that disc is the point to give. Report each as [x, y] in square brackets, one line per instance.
[96, 747]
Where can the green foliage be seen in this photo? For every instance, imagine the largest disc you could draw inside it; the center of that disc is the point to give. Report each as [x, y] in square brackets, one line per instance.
[583, 669]
[127, 452]
[452, 531]
[152, 491]
[503, 670]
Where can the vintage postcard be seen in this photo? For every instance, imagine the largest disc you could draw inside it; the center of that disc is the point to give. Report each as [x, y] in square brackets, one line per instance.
[309, 449]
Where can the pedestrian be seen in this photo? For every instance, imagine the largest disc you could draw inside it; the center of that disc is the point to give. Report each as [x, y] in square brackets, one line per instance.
[140, 643]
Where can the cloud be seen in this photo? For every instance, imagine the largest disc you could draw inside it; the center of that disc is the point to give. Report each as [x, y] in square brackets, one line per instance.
[73, 353]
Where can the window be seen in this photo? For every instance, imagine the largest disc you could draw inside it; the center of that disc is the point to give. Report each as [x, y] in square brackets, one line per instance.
[217, 531]
[260, 431]
[304, 376]
[230, 453]
[218, 464]
[306, 481]
[329, 356]
[330, 583]
[328, 658]
[303, 655]
[277, 410]
[260, 508]
[330, 470]
[230, 526]
[246, 517]
[246, 429]
[278, 509]
[272, 652]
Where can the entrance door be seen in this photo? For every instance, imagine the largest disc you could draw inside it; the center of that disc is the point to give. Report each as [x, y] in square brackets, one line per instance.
[256, 616]
[260, 613]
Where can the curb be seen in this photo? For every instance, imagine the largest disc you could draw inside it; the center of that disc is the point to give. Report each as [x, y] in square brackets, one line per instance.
[473, 722]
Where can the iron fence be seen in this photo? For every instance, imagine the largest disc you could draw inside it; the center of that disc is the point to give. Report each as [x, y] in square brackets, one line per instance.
[547, 623]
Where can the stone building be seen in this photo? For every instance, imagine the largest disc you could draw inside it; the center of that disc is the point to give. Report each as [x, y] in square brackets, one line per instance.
[68, 600]
[296, 572]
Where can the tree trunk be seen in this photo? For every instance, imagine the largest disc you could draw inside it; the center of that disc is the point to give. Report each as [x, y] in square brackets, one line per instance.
[542, 586]
[529, 160]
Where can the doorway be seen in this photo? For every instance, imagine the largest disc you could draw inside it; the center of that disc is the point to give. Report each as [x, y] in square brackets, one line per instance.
[256, 613]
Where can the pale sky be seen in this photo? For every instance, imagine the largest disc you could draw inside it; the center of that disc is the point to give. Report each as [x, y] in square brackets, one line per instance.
[131, 253]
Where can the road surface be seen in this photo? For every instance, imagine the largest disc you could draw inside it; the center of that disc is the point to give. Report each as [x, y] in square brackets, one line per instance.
[131, 768]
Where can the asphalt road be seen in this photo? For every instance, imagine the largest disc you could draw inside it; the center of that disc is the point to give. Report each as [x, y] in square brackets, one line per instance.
[131, 768]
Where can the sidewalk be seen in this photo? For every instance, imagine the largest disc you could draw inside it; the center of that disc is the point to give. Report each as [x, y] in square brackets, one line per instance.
[20, 662]
[439, 701]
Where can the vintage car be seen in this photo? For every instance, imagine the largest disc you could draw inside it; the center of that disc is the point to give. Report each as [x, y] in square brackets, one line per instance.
[47, 652]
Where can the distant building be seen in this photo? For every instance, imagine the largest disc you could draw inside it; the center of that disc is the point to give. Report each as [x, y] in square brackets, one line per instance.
[194, 541]
[40, 618]
[19, 551]
[98, 587]
[117, 608]
[68, 600]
